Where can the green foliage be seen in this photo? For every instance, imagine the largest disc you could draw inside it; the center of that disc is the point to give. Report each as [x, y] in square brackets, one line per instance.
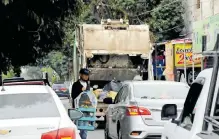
[163, 16]
[167, 22]
[30, 29]
[10, 74]
[58, 62]
[53, 77]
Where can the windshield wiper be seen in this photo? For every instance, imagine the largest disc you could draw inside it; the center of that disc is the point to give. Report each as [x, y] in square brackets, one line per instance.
[212, 120]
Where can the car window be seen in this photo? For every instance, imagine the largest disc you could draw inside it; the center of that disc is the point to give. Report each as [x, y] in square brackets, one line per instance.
[164, 91]
[125, 93]
[58, 86]
[118, 96]
[188, 113]
[32, 105]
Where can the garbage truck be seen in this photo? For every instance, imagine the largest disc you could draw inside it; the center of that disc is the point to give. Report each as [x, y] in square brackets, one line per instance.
[114, 50]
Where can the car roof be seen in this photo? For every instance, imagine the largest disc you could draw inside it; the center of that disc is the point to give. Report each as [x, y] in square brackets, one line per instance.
[156, 82]
[18, 89]
[206, 73]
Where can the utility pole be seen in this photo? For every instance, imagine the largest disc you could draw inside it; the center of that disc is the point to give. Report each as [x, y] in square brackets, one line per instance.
[212, 7]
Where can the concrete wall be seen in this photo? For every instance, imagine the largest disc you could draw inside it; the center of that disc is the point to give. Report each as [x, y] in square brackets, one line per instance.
[194, 13]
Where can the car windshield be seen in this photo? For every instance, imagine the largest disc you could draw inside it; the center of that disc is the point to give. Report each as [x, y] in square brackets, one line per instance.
[58, 86]
[33, 105]
[160, 91]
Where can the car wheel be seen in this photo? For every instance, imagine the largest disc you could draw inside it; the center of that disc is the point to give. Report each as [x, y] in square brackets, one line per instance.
[106, 134]
[120, 134]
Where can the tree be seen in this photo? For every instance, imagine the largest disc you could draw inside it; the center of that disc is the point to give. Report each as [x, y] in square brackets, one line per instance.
[9, 74]
[31, 29]
[167, 22]
[31, 72]
[163, 16]
[58, 62]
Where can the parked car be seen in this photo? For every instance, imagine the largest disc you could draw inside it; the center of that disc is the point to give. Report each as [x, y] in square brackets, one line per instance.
[61, 90]
[200, 116]
[136, 111]
[36, 113]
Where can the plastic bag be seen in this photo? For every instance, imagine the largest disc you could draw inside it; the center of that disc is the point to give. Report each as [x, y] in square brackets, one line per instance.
[103, 95]
[113, 86]
[86, 99]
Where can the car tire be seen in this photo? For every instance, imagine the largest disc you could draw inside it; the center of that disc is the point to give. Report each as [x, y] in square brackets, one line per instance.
[106, 134]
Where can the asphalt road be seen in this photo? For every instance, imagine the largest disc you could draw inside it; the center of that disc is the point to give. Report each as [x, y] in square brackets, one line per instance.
[97, 134]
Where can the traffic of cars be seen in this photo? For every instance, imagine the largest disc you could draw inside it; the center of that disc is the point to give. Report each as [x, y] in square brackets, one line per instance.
[136, 110]
[61, 90]
[141, 110]
[36, 112]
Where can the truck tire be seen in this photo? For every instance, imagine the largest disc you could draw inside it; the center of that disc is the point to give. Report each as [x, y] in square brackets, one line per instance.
[190, 76]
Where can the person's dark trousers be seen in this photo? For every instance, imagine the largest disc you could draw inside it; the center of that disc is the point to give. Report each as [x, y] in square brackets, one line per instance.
[73, 104]
[83, 134]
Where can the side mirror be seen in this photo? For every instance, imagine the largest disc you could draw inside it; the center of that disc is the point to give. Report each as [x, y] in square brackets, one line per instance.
[169, 111]
[108, 100]
[74, 114]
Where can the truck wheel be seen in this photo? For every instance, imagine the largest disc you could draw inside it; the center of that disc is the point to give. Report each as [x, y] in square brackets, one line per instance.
[190, 76]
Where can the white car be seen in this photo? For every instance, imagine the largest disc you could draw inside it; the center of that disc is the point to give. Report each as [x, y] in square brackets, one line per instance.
[35, 112]
[136, 110]
[200, 116]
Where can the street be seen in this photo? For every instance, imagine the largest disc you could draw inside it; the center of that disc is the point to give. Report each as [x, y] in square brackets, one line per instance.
[97, 134]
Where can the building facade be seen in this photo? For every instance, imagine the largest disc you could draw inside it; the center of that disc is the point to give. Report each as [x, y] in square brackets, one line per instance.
[197, 10]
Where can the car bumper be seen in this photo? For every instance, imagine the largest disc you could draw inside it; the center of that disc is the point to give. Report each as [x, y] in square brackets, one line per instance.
[147, 133]
[136, 124]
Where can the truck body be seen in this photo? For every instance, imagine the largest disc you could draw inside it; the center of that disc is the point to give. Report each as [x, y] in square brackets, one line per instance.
[174, 60]
[114, 50]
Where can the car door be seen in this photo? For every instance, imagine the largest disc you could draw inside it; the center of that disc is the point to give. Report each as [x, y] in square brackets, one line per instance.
[180, 129]
[114, 110]
[122, 105]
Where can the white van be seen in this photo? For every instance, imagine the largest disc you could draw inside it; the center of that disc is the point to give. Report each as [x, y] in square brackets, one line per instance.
[200, 115]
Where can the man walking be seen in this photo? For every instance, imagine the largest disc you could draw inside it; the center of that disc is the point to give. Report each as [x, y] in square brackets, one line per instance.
[78, 87]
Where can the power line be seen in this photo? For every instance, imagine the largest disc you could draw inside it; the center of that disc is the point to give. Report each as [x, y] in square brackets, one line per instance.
[169, 29]
[157, 8]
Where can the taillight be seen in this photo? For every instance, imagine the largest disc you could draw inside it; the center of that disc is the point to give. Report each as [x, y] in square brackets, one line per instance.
[64, 133]
[134, 111]
[63, 89]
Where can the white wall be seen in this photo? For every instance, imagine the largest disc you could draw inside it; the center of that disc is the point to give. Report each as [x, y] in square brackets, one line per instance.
[189, 16]
[193, 13]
